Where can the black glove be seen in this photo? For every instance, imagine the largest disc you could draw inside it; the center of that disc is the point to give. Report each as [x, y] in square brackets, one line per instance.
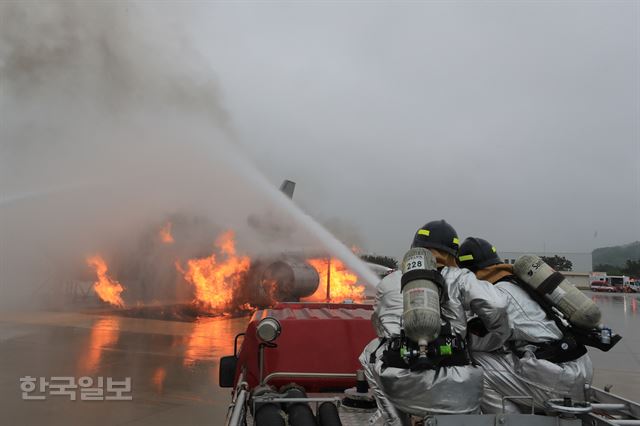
[476, 326]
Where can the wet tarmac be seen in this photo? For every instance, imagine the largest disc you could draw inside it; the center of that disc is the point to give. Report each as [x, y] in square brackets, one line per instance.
[173, 368]
[173, 365]
[620, 366]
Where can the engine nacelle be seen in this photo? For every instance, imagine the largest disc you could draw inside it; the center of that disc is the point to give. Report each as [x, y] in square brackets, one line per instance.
[282, 280]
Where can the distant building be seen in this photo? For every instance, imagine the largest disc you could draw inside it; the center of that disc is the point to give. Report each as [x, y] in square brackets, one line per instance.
[582, 262]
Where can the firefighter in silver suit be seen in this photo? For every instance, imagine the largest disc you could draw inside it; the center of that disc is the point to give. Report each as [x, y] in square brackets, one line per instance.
[451, 388]
[535, 360]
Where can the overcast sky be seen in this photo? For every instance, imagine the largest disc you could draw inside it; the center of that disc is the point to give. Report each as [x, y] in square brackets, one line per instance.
[515, 121]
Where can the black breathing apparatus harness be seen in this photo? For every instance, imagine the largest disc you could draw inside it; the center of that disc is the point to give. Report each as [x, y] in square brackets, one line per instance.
[574, 339]
[448, 349]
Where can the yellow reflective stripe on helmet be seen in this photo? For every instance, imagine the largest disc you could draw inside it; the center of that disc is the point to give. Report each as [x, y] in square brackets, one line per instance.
[456, 241]
[493, 249]
[466, 257]
[423, 232]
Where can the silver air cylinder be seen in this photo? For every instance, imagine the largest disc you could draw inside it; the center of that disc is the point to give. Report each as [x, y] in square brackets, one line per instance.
[578, 308]
[421, 296]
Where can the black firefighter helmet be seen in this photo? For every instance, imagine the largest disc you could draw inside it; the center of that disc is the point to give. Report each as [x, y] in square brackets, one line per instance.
[439, 235]
[476, 253]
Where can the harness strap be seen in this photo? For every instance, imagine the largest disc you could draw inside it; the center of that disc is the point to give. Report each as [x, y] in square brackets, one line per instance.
[551, 283]
[563, 350]
[422, 274]
[541, 301]
[445, 351]
[559, 351]
[372, 357]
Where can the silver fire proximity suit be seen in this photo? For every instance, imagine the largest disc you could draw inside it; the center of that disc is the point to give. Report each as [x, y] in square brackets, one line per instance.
[449, 390]
[515, 370]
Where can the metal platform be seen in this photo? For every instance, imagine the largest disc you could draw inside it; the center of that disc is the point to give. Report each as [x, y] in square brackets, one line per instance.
[611, 410]
[604, 409]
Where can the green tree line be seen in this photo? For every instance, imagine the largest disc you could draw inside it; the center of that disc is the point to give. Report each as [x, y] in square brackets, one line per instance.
[631, 268]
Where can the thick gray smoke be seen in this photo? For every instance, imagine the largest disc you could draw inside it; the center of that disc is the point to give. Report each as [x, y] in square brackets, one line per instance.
[110, 124]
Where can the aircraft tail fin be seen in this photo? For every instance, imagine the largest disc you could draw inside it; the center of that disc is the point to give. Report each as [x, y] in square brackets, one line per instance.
[288, 187]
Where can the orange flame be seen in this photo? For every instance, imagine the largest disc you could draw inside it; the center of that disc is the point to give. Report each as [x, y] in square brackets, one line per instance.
[247, 307]
[165, 234]
[217, 281]
[343, 282]
[107, 289]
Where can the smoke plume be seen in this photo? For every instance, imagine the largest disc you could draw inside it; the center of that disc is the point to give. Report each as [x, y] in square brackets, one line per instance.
[111, 123]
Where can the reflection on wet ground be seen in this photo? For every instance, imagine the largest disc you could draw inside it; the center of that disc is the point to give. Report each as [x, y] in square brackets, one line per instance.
[158, 379]
[174, 365]
[627, 302]
[208, 334]
[104, 335]
[619, 367]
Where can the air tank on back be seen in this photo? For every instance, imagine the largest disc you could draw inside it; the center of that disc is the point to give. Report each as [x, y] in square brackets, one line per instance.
[421, 297]
[578, 308]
